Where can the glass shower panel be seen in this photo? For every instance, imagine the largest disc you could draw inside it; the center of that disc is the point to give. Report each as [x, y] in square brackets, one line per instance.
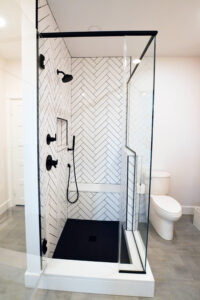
[137, 157]
[95, 108]
[19, 242]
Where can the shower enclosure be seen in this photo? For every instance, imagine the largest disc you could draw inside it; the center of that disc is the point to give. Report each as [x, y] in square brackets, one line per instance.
[107, 105]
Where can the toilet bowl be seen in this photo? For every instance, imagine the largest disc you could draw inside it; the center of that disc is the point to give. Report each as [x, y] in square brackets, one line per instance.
[164, 210]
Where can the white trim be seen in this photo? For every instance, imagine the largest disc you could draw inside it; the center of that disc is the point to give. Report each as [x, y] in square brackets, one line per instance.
[32, 279]
[9, 160]
[9, 152]
[196, 219]
[96, 188]
[29, 97]
[92, 277]
[188, 209]
[4, 206]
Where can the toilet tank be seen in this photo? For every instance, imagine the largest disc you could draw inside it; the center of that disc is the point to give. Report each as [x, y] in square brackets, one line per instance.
[160, 181]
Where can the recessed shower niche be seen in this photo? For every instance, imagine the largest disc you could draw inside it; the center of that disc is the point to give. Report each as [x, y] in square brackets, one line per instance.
[61, 134]
[108, 105]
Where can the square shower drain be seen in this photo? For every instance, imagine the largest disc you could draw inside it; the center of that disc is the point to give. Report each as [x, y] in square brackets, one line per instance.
[92, 238]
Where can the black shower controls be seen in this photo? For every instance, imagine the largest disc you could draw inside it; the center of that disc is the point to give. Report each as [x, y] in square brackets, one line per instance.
[44, 246]
[50, 162]
[69, 166]
[42, 59]
[50, 139]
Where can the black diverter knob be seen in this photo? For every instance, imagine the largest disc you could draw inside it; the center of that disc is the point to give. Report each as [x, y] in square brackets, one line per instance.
[50, 162]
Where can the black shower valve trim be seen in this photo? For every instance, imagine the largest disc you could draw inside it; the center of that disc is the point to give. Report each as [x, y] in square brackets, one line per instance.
[50, 163]
[50, 139]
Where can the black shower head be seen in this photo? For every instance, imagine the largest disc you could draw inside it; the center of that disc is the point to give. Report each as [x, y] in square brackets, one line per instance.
[66, 77]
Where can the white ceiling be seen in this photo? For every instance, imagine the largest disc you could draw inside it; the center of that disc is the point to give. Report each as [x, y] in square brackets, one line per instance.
[10, 35]
[178, 21]
[108, 46]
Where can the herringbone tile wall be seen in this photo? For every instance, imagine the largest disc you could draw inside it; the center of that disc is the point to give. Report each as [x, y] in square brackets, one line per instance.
[97, 105]
[54, 101]
[96, 206]
[97, 108]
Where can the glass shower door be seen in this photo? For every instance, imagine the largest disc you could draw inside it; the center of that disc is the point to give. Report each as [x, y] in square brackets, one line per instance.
[136, 171]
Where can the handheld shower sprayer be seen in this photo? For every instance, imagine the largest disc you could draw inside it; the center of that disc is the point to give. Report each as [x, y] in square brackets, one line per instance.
[75, 180]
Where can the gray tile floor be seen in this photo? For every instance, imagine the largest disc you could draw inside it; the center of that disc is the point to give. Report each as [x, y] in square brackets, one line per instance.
[12, 229]
[175, 264]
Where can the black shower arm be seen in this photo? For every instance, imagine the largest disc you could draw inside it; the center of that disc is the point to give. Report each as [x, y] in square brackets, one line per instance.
[60, 72]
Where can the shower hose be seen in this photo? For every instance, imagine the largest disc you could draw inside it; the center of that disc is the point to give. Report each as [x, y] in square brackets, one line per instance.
[69, 166]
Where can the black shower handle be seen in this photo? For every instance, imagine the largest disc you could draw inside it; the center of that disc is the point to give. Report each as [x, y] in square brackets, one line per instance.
[50, 139]
[50, 162]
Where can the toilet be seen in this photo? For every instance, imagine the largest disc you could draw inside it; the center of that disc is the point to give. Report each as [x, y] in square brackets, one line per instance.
[164, 210]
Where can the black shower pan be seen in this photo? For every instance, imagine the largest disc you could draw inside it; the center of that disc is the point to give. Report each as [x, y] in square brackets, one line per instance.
[91, 241]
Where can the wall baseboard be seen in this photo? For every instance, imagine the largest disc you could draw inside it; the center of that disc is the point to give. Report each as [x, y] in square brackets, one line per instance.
[4, 206]
[188, 209]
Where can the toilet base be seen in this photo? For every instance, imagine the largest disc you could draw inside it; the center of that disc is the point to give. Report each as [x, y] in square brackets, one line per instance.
[163, 227]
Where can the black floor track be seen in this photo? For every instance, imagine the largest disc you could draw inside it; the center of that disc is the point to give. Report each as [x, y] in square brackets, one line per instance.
[91, 241]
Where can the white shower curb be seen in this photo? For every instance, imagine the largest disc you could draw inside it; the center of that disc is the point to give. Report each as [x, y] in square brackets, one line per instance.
[91, 277]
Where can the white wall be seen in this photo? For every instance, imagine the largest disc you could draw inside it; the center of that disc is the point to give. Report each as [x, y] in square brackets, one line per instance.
[177, 126]
[10, 87]
[13, 79]
[3, 170]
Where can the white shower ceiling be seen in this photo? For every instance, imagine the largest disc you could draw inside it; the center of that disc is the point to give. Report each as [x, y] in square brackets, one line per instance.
[178, 21]
[107, 46]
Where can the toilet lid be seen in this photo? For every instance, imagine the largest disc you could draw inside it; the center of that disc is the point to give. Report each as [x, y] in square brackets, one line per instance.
[167, 204]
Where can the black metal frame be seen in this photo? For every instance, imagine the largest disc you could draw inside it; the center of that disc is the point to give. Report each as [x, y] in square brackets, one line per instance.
[152, 35]
[72, 34]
